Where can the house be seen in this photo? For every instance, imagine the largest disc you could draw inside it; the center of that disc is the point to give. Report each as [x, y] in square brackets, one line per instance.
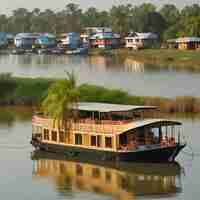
[186, 43]
[141, 40]
[89, 32]
[46, 40]
[3, 39]
[25, 40]
[105, 39]
[70, 40]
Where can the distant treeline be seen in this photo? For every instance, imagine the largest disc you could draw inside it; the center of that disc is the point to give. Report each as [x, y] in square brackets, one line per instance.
[15, 91]
[168, 22]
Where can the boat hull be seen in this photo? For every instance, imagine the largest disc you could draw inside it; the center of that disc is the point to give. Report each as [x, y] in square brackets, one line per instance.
[158, 154]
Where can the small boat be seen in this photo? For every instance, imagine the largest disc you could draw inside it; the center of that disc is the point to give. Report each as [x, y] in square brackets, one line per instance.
[18, 52]
[111, 132]
[78, 51]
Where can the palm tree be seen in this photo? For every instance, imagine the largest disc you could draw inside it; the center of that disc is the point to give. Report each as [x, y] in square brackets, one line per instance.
[62, 98]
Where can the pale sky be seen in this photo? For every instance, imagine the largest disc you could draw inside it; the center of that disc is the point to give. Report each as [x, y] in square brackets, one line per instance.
[8, 5]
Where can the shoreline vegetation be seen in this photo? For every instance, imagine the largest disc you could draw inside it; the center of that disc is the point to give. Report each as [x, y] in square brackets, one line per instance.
[188, 59]
[17, 91]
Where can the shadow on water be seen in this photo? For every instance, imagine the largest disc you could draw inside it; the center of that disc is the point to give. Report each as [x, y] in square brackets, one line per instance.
[8, 115]
[122, 181]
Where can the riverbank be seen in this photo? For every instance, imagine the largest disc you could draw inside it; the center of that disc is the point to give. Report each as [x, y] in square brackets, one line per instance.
[162, 57]
[17, 91]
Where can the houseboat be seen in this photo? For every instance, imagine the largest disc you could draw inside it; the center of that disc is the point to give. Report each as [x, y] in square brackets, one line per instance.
[110, 132]
[25, 40]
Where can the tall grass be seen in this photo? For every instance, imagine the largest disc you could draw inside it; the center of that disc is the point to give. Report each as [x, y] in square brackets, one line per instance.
[30, 92]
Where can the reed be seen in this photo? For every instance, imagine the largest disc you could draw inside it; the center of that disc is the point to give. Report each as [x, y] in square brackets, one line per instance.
[30, 91]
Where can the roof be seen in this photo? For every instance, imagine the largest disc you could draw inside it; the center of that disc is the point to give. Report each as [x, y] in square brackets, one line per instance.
[27, 35]
[106, 107]
[149, 123]
[148, 35]
[188, 39]
[105, 35]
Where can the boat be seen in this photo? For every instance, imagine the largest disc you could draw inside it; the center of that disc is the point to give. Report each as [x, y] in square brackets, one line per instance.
[113, 132]
[78, 51]
[121, 180]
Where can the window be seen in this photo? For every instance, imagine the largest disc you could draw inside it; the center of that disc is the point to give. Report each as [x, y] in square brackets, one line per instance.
[93, 140]
[54, 136]
[108, 176]
[46, 134]
[99, 141]
[95, 172]
[108, 142]
[61, 137]
[78, 139]
[79, 170]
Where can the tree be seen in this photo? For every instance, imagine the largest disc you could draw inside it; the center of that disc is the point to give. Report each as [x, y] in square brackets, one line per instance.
[139, 17]
[155, 23]
[21, 20]
[120, 18]
[72, 15]
[90, 17]
[62, 97]
[170, 13]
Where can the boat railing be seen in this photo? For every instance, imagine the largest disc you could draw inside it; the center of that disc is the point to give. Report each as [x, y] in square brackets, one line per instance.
[87, 125]
[101, 126]
[147, 144]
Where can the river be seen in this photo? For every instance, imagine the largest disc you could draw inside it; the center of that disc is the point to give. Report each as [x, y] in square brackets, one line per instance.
[110, 71]
[26, 174]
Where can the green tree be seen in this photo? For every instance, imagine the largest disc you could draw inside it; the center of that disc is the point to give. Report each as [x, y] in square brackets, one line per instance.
[72, 17]
[62, 97]
[139, 17]
[120, 17]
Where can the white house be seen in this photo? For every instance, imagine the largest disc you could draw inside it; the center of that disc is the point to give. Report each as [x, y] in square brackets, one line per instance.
[141, 40]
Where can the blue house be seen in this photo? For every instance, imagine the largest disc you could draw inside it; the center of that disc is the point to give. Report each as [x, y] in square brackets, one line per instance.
[70, 40]
[25, 40]
[3, 39]
[46, 40]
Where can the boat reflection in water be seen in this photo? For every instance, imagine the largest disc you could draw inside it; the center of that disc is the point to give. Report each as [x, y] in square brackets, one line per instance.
[122, 181]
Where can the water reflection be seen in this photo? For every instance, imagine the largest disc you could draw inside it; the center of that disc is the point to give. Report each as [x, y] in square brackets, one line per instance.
[122, 181]
[113, 71]
[8, 115]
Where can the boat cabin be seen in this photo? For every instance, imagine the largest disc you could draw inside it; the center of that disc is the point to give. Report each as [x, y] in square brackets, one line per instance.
[109, 127]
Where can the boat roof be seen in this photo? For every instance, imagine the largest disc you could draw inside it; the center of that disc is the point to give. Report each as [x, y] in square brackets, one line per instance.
[149, 123]
[107, 107]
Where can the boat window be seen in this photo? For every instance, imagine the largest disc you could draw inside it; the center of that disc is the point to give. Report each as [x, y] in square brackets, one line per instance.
[46, 134]
[108, 176]
[79, 170]
[36, 129]
[98, 140]
[78, 139]
[93, 140]
[61, 137]
[108, 142]
[54, 136]
[96, 172]
[155, 132]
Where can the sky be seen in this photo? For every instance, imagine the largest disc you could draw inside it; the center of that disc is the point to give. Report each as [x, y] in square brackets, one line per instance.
[8, 5]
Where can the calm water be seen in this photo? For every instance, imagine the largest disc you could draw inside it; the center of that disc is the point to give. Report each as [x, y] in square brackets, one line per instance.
[112, 72]
[46, 176]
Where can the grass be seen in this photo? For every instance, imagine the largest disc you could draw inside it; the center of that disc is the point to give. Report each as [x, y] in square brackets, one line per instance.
[162, 57]
[30, 92]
